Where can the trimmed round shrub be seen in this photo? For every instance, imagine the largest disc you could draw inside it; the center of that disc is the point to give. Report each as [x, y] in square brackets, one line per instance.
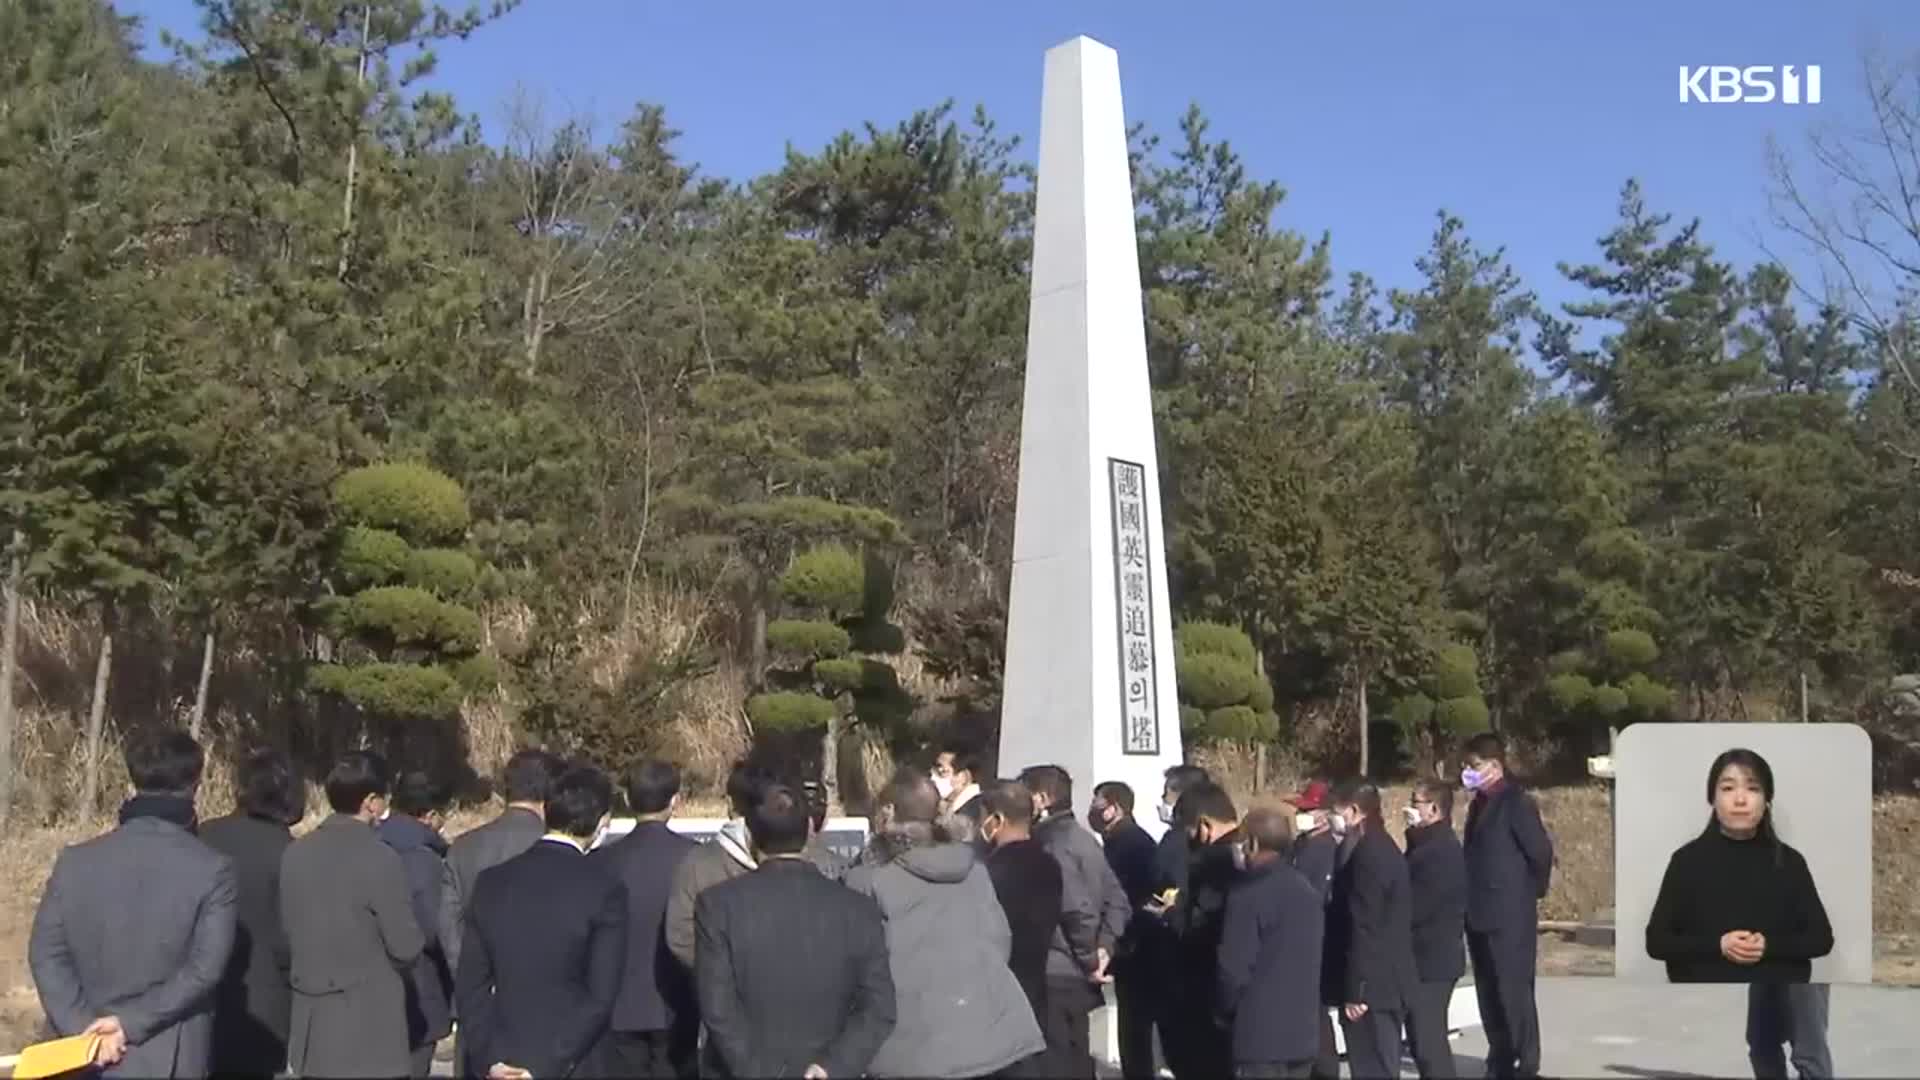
[1462, 715]
[371, 556]
[1630, 649]
[1237, 723]
[1212, 681]
[1214, 639]
[1192, 721]
[789, 711]
[1646, 697]
[1609, 700]
[879, 678]
[444, 572]
[400, 690]
[1261, 699]
[1569, 662]
[477, 674]
[409, 616]
[1570, 693]
[1412, 713]
[1455, 673]
[840, 674]
[829, 577]
[808, 638]
[419, 503]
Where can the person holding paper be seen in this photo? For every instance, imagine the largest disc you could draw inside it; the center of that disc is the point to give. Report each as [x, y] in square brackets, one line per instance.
[133, 930]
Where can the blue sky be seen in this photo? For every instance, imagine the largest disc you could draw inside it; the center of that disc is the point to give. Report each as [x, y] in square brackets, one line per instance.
[1523, 118]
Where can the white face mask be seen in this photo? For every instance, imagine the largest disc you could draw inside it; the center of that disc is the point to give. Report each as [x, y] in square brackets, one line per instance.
[1165, 812]
[1339, 823]
[943, 785]
[1412, 815]
[1303, 823]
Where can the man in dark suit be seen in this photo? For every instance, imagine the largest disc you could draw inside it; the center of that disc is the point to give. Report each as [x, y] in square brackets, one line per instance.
[1130, 853]
[791, 968]
[1027, 881]
[1159, 945]
[1437, 873]
[1509, 866]
[656, 1020]
[1199, 918]
[527, 778]
[1269, 992]
[132, 933]
[412, 830]
[545, 945]
[1370, 927]
[254, 1002]
[1317, 852]
[353, 933]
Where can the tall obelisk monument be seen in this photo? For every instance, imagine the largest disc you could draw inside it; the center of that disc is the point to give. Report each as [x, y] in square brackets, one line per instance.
[1089, 681]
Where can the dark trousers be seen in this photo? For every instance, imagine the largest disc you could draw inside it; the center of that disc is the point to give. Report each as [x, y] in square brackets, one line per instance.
[1373, 1044]
[671, 1054]
[1070, 1002]
[422, 1061]
[1427, 1030]
[1137, 1009]
[1283, 1070]
[1794, 1014]
[1503, 965]
[1326, 1064]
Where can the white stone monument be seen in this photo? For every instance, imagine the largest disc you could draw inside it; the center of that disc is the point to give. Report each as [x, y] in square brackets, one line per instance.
[1089, 671]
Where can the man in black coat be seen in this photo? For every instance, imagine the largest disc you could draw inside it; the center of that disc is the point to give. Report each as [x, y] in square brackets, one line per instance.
[1370, 937]
[1027, 880]
[1437, 872]
[525, 782]
[1269, 992]
[791, 969]
[1130, 853]
[1317, 851]
[413, 831]
[1199, 1048]
[546, 945]
[254, 1003]
[656, 1021]
[1509, 866]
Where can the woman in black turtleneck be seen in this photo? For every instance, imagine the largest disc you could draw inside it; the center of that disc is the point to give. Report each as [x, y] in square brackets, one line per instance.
[1737, 905]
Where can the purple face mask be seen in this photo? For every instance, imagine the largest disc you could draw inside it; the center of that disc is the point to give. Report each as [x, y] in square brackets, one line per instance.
[1471, 779]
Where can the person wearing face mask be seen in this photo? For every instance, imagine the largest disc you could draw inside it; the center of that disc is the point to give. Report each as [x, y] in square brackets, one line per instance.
[1437, 873]
[1028, 883]
[1370, 937]
[1269, 988]
[1200, 1048]
[1130, 853]
[546, 945]
[956, 775]
[352, 933]
[1738, 905]
[1317, 851]
[1093, 915]
[1509, 866]
[412, 828]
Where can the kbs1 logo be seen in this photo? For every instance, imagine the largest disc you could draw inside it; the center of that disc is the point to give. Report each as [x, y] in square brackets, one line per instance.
[1723, 84]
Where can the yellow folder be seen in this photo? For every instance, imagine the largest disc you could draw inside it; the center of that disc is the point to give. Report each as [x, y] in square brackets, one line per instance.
[56, 1058]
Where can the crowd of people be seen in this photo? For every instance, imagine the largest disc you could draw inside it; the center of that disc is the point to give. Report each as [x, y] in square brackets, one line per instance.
[974, 936]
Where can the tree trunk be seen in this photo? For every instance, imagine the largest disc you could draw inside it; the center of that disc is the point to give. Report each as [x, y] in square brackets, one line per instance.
[353, 151]
[1366, 727]
[96, 723]
[197, 723]
[830, 759]
[9, 658]
[757, 678]
[1260, 767]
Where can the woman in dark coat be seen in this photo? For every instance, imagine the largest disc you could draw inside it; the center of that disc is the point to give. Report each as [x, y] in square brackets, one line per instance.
[253, 1003]
[1738, 905]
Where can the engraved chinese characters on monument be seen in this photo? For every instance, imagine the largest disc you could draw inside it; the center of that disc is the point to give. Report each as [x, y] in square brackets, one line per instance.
[1133, 595]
